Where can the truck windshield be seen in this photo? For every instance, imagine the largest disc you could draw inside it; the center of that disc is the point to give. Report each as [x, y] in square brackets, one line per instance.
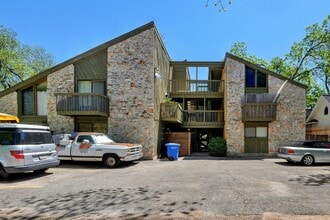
[102, 138]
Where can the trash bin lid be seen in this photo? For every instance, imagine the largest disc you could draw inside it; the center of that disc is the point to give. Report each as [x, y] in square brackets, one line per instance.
[172, 144]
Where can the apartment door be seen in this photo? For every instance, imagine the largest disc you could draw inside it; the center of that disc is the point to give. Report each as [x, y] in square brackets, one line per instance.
[256, 138]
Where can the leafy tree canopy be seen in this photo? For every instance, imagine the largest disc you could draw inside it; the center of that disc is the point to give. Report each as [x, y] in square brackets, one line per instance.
[308, 61]
[19, 61]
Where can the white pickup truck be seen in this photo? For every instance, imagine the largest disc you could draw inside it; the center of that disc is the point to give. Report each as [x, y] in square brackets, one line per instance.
[90, 146]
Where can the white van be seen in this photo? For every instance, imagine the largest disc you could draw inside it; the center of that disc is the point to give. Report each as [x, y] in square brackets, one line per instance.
[26, 148]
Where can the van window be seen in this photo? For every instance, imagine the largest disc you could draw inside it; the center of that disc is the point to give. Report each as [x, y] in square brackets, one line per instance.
[16, 137]
[9, 138]
[36, 137]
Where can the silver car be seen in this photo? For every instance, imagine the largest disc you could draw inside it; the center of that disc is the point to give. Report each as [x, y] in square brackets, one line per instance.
[26, 148]
[306, 152]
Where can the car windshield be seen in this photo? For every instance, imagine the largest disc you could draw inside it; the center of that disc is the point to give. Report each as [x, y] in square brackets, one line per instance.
[102, 138]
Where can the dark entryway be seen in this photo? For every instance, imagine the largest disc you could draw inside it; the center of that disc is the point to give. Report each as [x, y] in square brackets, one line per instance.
[200, 138]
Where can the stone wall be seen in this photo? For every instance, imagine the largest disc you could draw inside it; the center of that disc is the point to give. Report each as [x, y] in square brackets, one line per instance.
[234, 74]
[131, 91]
[8, 104]
[290, 116]
[290, 120]
[61, 81]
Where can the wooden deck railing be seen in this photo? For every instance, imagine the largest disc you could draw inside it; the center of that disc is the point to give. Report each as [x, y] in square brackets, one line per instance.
[258, 107]
[82, 104]
[205, 87]
[200, 118]
[171, 112]
[259, 112]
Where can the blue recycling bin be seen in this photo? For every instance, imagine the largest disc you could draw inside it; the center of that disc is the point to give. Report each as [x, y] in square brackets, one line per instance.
[172, 150]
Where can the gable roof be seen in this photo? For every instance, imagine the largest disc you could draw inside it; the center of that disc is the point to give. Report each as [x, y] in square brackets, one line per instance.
[322, 99]
[264, 70]
[86, 54]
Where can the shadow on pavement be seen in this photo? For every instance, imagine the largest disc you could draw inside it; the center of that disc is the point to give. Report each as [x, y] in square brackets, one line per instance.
[118, 202]
[208, 157]
[20, 177]
[313, 180]
[92, 165]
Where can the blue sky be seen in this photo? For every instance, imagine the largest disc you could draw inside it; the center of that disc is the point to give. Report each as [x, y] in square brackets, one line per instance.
[190, 30]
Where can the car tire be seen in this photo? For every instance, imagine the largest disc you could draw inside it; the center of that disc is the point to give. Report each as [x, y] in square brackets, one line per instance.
[3, 173]
[308, 160]
[111, 161]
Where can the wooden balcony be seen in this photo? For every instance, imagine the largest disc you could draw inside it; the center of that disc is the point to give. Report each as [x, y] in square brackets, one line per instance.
[171, 112]
[258, 107]
[74, 104]
[195, 88]
[259, 112]
[203, 119]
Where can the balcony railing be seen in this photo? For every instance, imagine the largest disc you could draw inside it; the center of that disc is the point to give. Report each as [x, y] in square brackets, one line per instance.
[193, 87]
[72, 104]
[259, 112]
[171, 112]
[258, 107]
[206, 119]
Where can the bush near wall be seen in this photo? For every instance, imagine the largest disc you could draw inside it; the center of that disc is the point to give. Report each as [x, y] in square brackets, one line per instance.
[217, 147]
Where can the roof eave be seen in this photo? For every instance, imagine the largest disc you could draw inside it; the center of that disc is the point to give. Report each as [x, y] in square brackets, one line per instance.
[262, 69]
[68, 62]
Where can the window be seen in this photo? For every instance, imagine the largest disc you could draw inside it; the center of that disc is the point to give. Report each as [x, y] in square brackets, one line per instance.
[42, 98]
[27, 101]
[88, 86]
[34, 100]
[249, 77]
[326, 111]
[259, 132]
[82, 138]
[254, 78]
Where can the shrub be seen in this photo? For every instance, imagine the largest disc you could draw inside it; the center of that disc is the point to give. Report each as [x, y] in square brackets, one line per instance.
[217, 147]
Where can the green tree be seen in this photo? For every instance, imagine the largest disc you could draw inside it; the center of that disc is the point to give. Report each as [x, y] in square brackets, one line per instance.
[18, 61]
[307, 62]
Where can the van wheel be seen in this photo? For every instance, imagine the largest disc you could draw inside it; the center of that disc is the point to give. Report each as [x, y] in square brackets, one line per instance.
[41, 170]
[111, 161]
[3, 173]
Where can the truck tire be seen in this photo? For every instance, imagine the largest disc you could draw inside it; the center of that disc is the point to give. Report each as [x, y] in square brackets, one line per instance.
[3, 173]
[111, 161]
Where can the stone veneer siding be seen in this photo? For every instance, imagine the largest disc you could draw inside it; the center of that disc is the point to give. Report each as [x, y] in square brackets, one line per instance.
[131, 91]
[61, 81]
[290, 114]
[234, 76]
[9, 104]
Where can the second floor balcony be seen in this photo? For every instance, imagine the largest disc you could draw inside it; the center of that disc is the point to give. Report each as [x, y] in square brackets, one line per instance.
[173, 113]
[193, 88]
[74, 104]
[203, 119]
[258, 107]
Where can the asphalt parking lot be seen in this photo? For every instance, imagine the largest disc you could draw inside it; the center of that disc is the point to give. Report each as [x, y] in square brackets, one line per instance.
[192, 187]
